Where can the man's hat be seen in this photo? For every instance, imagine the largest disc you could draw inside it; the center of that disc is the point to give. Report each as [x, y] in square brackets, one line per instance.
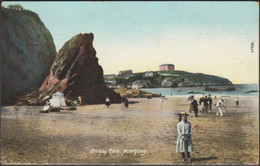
[183, 113]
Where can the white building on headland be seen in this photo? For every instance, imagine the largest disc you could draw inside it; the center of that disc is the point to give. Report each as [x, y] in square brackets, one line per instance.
[148, 74]
[140, 84]
[166, 82]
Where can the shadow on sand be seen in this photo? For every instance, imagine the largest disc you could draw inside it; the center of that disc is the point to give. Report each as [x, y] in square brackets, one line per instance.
[204, 159]
[133, 102]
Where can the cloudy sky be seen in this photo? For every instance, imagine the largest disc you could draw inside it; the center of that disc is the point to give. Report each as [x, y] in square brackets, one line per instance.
[208, 37]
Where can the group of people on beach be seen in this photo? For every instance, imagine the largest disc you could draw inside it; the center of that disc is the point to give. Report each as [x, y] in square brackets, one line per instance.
[124, 101]
[76, 102]
[206, 104]
[184, 129]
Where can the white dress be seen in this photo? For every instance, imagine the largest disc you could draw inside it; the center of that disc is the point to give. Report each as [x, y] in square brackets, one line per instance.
[184, 130]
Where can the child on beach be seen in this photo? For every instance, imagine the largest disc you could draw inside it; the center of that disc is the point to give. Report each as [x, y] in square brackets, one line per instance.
[184, 142]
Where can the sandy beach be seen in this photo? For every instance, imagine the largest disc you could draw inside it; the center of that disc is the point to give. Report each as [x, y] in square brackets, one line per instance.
[144, 133]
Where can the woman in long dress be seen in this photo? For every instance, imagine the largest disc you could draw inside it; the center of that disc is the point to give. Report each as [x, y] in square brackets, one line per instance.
[194, 107]
[107, 102]
[184, 142]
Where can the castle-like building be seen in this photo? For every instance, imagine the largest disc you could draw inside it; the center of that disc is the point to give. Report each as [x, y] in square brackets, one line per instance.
[166, 67]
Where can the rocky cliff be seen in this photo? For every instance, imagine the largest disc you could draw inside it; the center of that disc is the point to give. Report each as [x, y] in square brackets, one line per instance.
[27, 52]
[75, 72]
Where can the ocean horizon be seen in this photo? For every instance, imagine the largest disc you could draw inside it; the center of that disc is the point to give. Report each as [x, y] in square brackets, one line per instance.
[240, 90]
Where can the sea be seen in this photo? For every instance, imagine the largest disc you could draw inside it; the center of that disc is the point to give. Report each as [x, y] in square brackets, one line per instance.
[240, 90]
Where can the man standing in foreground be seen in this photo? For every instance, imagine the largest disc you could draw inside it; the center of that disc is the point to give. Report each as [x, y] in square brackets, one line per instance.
[184, 142]
[219, 106]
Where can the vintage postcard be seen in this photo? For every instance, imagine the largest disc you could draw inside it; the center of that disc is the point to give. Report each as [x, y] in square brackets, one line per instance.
[139, 82]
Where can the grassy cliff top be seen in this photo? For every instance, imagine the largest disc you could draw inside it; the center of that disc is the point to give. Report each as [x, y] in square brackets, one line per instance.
[177, 77]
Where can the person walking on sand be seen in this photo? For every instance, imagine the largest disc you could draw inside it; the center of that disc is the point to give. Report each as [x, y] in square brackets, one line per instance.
[126, 102]
[194, 107]
[237, 101]
[206, 104]
[161, 101]
[184, 141]
[210, 102]
[123, 101]
[107, 102]
[202, 104]
[219, 106]
[79, 99]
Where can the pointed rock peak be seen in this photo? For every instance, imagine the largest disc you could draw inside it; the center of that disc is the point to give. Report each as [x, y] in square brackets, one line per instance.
[76, 72]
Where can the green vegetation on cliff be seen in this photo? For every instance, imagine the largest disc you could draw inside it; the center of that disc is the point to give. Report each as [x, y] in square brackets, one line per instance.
[69, 44]
[176, 78]
[27, 50]
[135, 93]
[155, 81]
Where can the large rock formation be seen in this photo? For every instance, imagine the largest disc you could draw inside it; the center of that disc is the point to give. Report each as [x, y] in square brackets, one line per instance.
[135, 93]
[75, 72]
[27, 52]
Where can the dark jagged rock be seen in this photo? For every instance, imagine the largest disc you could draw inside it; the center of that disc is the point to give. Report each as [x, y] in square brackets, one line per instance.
[27, 52]
[75, 72]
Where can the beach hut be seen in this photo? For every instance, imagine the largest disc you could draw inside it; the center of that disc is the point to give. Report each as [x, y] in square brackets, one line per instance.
[58, 100]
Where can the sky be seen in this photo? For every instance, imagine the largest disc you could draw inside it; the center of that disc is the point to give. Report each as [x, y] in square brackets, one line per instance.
[200, 37]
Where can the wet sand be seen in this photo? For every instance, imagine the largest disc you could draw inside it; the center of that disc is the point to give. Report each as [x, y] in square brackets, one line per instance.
[74, 137]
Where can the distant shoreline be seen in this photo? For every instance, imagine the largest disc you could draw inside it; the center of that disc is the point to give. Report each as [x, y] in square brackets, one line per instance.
[238, 90]
[201, 86]
[213, 96]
